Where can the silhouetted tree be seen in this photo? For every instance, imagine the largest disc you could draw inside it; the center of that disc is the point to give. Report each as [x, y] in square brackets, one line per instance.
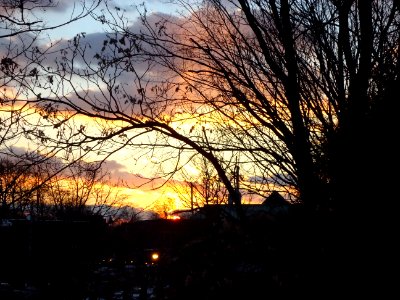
[22, 23]
[301, 87]
[200, 185]
[52, 189]
[296, 87]
[303, 90]
[23, 188]
[23, 26]
[84, 189]
[11, 188]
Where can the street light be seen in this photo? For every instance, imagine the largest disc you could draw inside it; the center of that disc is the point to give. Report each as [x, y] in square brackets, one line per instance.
[155, 256]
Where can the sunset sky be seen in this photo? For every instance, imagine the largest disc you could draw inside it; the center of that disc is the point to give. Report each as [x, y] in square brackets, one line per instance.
[123, 165]
[267, 127]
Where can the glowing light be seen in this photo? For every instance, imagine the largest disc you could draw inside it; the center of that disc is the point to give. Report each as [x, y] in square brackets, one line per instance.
[155, 256]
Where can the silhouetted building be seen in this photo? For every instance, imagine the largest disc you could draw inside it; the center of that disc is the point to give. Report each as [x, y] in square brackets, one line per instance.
[273, 205]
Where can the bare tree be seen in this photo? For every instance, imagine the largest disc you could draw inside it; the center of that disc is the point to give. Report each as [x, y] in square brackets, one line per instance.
[12, 188]
[302, 91]
[23, 184]
[294, 87]
[23, 28]
[201, 186]
[22, 25]
[53, 189]
[163, 207]
[300, 80]
[84, 189]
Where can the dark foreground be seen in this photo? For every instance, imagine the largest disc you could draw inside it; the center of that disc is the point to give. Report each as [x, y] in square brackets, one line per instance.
[273, 258]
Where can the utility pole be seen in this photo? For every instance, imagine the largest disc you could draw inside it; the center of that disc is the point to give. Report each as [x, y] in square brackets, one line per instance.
[236, 177]
[191, 197]
[236, 197]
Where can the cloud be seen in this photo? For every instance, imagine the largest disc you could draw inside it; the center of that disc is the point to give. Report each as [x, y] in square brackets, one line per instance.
[93, 44]
[279, 179]
[111, 59]
[63, 5]
[40, 5]
[119, 172]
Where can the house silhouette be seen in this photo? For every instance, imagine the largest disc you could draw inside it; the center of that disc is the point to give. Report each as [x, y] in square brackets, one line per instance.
[275, 204]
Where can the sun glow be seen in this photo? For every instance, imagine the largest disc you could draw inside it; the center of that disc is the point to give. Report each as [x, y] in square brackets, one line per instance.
[137, 159]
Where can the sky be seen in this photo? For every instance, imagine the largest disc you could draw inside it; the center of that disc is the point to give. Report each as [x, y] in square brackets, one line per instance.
[121, 165]
[87, 25]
